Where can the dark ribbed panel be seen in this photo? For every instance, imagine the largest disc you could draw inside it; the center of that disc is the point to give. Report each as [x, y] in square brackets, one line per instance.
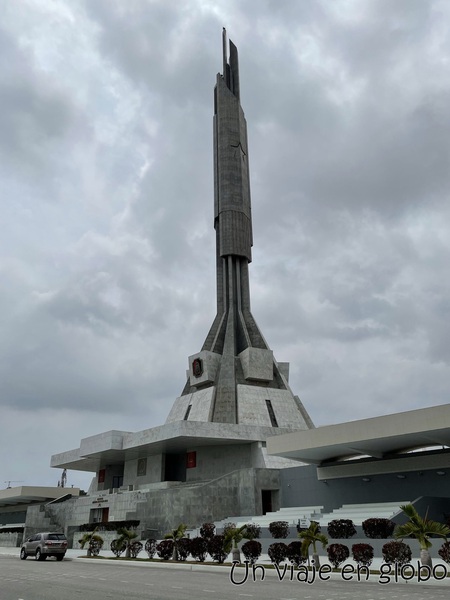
[225, 409]
[235, 234]
[234, 69]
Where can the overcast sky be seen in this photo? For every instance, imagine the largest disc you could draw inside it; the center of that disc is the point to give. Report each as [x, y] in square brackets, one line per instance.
[107, 243]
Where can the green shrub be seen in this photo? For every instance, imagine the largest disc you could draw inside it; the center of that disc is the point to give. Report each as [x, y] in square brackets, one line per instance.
[279, 529]
[341, 529]
[110, 525]
[216, 549]
[94, 542]
[94, 547]
[252, 531]
[362, 554]
[135, 548]
[277, 552]
[378, 529]
[337, 554]
[444, 552]
[183, 548]
[165, 549]
[207, 531]
[150, 547]
[199, 548]
[396, 553]
[294, 554]
[118, 547]
[227, 527]
[251, 550]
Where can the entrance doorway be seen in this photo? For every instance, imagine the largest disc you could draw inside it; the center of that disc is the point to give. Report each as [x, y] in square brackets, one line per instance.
[266, 496]
[175, 467]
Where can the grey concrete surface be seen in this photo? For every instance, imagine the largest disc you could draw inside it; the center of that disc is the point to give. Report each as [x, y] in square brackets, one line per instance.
[264, 561]
[30, 580]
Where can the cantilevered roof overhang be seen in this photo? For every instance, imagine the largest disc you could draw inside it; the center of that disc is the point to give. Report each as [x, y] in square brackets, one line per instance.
[116, 447]
[377, 437]
[27, 494]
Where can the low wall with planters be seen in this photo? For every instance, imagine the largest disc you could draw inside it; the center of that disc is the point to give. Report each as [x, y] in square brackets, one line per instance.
[13, 539]
[287, 534]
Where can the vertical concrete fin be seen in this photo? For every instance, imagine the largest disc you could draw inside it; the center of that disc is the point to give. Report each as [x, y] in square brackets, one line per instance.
[234, 68]
[224, 52]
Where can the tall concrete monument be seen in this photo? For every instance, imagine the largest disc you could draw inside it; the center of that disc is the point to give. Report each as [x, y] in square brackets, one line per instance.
[209, 460]
[235, 379]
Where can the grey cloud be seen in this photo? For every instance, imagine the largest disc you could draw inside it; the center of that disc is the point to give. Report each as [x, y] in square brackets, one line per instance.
[109, 283]
[35, 112]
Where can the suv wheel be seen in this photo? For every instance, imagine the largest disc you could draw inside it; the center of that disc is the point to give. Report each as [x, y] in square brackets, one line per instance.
[39, 555]
[59, 556]
[23, 554]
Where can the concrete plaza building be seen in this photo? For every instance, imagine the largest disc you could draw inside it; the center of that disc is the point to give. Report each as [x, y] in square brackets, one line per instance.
[397, 458]
[209, 460]
[237, 441]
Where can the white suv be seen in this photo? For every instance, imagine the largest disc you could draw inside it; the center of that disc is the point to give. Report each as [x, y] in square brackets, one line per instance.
[41, 545]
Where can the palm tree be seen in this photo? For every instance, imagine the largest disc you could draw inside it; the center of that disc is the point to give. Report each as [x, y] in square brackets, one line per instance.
[421, 528]
[310, 536]
[126, 537]
[176, 535]
[233, 536]
[88, 538]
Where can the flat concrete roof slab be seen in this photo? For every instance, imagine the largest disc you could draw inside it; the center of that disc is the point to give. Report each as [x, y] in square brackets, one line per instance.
[27, 494]
[114, 447]
[376, 437]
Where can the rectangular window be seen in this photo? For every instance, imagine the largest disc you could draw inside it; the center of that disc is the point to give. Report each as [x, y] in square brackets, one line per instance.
[191, 460]
[117, 481]
[101, 475]
[188, 410]
[273, 419]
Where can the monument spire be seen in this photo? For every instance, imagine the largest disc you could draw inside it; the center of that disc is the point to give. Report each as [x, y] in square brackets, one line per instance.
[235, 359]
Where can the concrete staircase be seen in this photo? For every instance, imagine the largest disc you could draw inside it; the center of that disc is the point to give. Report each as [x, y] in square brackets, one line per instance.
[360, 512]
[293, 515]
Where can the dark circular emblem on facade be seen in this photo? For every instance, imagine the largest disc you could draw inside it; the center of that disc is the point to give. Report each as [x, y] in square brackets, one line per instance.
[197, 367]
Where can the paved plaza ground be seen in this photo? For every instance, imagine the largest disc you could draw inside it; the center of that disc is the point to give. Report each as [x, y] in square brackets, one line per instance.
[264, 561]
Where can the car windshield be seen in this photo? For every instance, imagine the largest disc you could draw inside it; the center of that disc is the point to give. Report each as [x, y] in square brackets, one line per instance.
[56, 536]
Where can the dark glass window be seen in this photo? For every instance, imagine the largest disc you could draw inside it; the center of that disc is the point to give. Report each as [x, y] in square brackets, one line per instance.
[117, 481]
[56, 536]
[273, 419]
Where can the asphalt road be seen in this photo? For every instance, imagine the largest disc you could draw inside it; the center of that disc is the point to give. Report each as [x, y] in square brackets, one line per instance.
[92, 580]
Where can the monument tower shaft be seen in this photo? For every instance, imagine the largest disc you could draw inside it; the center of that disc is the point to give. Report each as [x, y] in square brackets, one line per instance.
[232, 213]
[234, 329]
[230, 378]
